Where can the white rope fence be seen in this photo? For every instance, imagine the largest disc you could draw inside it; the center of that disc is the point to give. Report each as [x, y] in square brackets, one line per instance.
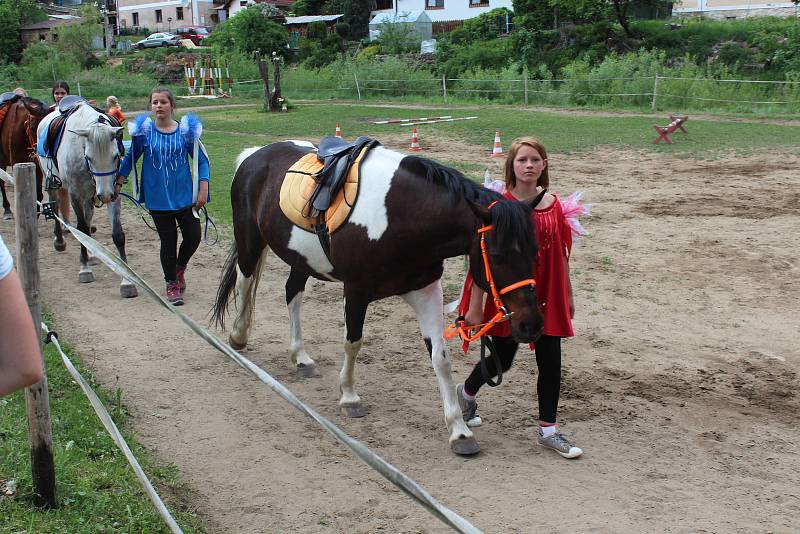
[387, 470]
[114, 432]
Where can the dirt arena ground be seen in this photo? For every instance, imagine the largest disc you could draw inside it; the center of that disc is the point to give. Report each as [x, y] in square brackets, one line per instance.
[680, 384]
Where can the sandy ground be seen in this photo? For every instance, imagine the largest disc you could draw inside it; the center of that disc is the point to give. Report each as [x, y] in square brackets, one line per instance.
[680, 385]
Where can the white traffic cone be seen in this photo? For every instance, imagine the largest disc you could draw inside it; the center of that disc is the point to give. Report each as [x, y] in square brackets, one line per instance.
[497, 151]
[415, 141]
[338, 130]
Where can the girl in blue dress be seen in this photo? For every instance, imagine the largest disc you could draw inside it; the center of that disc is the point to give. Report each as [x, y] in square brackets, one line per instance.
[174, 182]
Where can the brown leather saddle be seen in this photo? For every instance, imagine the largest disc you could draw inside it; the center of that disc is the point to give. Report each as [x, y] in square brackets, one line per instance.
[320, 189]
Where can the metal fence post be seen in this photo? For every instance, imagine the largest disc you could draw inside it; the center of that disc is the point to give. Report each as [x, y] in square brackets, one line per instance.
[355, 76]
[655, 93]
[444, 88]
[37, 401]
[525, 81]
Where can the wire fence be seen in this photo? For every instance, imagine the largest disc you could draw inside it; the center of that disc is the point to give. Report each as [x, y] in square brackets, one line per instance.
[636, 92]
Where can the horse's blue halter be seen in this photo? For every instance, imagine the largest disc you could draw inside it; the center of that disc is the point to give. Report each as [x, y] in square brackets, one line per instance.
[120, 149]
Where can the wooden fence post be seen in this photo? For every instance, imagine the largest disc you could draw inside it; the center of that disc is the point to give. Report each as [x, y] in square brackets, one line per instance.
[37, 401]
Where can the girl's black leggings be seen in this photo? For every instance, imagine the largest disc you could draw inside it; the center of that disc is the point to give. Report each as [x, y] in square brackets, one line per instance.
[548, 360]
[167, 224]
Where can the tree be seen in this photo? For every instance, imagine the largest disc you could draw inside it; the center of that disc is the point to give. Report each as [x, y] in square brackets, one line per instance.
[536, 15]
[356, 14]
[77, 40]
[13, 14]
[249, 31]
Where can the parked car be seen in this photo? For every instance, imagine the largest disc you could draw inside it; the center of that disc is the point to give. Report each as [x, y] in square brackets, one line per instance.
[195, 33]
[158, 39]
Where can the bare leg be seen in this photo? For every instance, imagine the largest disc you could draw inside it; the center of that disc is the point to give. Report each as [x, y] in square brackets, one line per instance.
[427, 305]
[295, 286]
[63, 203]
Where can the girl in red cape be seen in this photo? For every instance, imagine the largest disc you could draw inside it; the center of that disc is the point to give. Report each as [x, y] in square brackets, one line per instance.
[526, 175]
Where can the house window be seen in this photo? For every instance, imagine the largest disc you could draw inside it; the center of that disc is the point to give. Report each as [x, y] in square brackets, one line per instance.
[158, 16]
[178, 13]
[434, 4]
[478, 3]
[135, 19]
[384, 4]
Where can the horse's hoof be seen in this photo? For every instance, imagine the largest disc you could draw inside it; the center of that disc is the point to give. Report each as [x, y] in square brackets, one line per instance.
[7, 215]
[235, 345]
[128, 291]
[85, 278]
[307, 371]
[354, 410]
[60, 246]
[93, 229]
[93, 260]
[465, 446]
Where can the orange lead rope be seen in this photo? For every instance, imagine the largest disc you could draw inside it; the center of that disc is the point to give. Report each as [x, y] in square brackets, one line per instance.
[458, 328]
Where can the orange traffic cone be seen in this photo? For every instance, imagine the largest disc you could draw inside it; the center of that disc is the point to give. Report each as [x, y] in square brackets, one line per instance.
[415, 141]
[338, 130]
[497, 151]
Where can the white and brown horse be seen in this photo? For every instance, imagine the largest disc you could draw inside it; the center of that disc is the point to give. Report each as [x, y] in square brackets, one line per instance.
[410, 215]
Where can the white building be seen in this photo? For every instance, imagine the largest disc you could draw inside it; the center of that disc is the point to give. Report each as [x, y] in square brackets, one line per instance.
[733, 9]
[443, 10]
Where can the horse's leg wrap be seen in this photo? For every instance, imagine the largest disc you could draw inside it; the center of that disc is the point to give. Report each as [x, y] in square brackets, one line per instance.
[246, 287]
[428, 307]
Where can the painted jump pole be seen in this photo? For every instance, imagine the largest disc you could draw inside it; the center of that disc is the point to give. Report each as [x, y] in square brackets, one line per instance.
[676, 123]
[37, 399]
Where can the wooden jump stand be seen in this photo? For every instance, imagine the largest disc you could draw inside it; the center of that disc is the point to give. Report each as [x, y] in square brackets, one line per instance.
[676, 123]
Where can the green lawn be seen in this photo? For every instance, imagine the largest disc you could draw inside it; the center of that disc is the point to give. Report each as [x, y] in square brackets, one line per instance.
[228, 131]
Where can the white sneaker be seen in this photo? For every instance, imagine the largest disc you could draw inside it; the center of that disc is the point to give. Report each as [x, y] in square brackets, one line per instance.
[560, 444]
[468, 408]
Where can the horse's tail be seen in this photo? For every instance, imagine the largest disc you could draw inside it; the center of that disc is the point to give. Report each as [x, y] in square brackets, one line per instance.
[227, 284]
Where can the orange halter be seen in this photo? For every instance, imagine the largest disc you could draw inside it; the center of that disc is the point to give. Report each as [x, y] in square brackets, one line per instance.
[458, 328]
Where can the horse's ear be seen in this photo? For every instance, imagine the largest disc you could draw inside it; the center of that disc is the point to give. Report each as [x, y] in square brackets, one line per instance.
[83, 132]
[481, 212]
[539, 197]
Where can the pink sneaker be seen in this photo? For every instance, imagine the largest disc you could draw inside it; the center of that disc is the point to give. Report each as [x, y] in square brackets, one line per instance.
[174, 293]
[180, 271]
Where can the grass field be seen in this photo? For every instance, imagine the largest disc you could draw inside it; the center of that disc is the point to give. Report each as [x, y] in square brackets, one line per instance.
[228, 131]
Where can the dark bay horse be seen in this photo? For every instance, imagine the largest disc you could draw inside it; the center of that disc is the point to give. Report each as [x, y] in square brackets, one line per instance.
[18, 140]
[410, 215]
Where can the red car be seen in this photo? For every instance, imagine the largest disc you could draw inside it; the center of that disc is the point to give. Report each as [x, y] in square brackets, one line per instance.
[195, 33]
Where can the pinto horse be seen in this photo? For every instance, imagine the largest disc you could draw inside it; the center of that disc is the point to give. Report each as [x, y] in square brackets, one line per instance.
[410, 215]
[87, 163]
[18, 140]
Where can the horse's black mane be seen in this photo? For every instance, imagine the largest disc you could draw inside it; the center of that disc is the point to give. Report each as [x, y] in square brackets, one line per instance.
[511, 219]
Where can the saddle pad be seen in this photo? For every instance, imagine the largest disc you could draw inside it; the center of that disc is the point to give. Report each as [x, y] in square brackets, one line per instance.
[297, 188]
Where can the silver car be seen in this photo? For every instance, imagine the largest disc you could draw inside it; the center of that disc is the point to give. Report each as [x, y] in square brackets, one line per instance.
[158, 39]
